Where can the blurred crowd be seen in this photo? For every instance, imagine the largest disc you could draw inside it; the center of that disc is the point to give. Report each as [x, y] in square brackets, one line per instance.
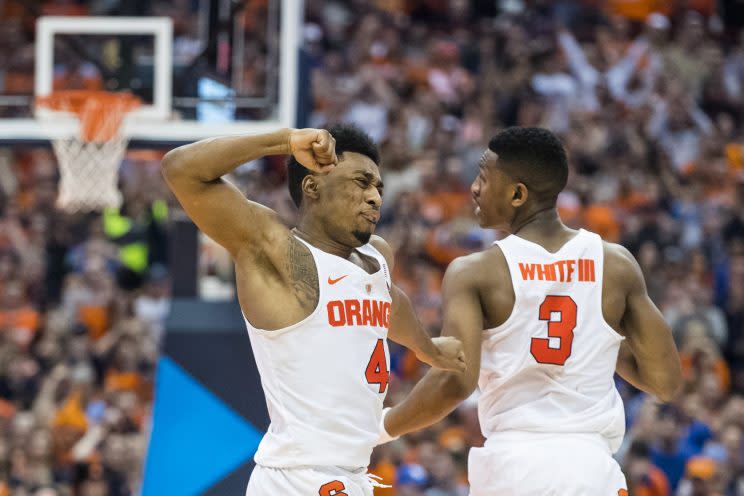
[648, 98]
[82, 302]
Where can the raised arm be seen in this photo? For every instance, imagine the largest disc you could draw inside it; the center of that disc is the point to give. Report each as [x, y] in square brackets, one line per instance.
[440, 391]
[194, 174]
[648, 356]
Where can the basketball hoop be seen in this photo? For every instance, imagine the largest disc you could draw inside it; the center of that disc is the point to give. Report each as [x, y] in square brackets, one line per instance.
[89, 161]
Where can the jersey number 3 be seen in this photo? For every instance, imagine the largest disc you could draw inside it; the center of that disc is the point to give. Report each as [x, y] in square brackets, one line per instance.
[377, 370]
[562, 328]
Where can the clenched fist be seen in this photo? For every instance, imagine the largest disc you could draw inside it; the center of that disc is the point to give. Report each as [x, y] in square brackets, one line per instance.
[449, 354]
[313, 148]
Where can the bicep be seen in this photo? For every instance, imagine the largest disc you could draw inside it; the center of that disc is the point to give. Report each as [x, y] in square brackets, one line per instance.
[463, 318]
[224, 214]
[403, 320]
[647, 335]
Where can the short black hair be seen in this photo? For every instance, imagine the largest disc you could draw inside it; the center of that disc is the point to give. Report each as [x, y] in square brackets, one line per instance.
[534, 156]
[349, 138]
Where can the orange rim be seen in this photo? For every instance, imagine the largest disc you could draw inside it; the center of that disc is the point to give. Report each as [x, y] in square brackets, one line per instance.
[100, 112]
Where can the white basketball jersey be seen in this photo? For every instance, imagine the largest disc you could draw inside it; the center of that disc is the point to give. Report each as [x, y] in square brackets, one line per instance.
[549, 368]
[325, 378]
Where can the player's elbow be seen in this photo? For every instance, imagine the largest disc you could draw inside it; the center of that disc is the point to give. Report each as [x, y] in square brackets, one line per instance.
[672, 384]
[172, 163]
[666, 395]
[178, 170]
[669, 389]
[455, 386]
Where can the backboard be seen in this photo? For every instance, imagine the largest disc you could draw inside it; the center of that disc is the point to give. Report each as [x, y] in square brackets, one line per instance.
[187, 97]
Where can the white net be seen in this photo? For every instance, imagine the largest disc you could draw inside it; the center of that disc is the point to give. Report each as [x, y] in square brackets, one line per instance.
[89, 160]
[89, 173]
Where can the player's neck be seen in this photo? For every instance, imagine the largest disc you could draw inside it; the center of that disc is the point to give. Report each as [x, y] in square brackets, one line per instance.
[316, 236]
[538, 226]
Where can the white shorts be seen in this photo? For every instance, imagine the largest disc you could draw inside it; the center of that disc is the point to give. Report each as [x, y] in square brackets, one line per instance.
[532, 464]
[308, 481]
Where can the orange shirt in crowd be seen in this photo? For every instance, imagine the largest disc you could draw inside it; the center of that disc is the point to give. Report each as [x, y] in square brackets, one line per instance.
[735, 156]
[123, 381]
[409, 365]
[64, 9]
[386, 471]
[22, 318]
[639, 10]
[72, 414]
[656, 484]
[720, 368]
[7, 409]
[633, 201]
[600, 218]
[95, 318]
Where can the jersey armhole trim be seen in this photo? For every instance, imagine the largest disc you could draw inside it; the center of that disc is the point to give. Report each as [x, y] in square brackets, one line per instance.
[372, 251]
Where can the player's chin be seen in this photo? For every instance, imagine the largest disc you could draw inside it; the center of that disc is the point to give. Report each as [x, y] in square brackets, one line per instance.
[363, 235]
[481, 218]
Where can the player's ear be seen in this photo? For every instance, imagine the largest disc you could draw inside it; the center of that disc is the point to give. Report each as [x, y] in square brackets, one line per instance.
[519, 197]
[311, 186]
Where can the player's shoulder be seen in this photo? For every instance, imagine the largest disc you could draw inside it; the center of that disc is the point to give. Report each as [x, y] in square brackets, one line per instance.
[618, 255]
[379, 244]
[619, 264]
[481, 267]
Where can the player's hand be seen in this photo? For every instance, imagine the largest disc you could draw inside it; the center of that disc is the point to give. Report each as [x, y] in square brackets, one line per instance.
[313, 148]
[449, 354]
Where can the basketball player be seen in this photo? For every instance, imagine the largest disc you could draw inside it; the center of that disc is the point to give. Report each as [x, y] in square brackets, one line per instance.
[318, 301]
[542, 316]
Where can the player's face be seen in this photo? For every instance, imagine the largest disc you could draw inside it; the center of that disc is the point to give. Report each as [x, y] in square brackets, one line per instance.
[351, 199]
[493, 194]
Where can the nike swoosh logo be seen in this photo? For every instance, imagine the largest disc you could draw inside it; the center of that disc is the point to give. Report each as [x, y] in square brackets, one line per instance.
[334, 281]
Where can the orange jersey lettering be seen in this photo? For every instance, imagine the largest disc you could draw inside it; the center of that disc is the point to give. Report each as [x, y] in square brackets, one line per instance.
[581, 270]
[374, 313]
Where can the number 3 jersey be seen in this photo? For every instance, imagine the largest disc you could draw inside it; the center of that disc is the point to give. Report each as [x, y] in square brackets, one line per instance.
[325, 378]
[549, 368]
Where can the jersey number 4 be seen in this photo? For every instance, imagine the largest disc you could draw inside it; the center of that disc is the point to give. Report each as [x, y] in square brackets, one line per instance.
[561, 328]
[377, 369]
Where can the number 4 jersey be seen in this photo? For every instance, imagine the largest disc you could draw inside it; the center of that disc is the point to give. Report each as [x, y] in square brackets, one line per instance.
[325, 378]
[549, 368]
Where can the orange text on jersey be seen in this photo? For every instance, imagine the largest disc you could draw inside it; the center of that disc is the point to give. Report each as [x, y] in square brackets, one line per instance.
[581, 270]
[359, 313]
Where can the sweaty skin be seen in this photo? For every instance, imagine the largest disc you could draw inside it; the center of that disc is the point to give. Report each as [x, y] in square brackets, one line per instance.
[478, 295]
[275, 272]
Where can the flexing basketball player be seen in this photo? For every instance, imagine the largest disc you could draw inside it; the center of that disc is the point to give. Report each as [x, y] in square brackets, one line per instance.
[542, 316]
[318, 301]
